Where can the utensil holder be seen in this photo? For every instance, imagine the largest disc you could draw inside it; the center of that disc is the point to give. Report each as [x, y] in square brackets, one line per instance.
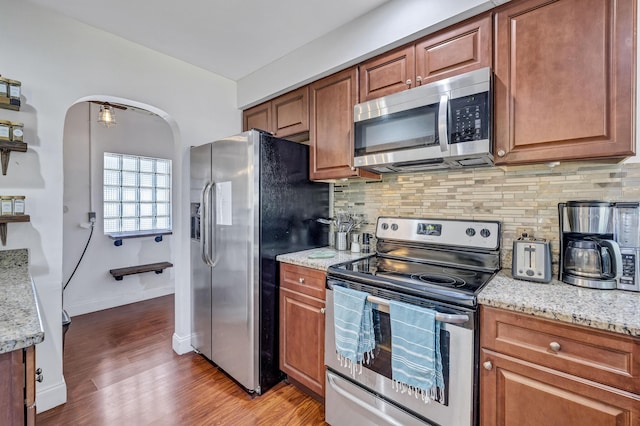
[341, 240]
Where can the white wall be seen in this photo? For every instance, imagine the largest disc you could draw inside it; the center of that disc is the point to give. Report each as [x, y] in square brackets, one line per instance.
[60, 61]
[92, 288]
[388, 26]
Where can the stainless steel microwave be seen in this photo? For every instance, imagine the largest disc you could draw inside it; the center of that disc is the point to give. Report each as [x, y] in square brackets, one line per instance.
[444, 124]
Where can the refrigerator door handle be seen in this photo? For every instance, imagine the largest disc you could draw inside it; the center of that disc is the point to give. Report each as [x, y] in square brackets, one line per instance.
[211, 254]
[205, 242]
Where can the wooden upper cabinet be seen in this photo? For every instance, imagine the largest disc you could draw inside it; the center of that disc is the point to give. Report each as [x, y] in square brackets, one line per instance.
[257, 117]
[388, 73]
[284, 116]
[564, 80]
[331, 127]
[290, 113]
[462, 48]
[455, 50]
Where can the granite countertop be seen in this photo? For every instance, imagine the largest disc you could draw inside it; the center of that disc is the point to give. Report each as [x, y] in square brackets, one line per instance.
[301, 258]
[20, 322]
[611, 310]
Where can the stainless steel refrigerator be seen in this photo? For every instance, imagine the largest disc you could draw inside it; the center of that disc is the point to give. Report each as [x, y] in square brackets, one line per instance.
[251, 200]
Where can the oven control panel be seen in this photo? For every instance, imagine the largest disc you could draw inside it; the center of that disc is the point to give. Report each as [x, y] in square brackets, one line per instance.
[447, 232]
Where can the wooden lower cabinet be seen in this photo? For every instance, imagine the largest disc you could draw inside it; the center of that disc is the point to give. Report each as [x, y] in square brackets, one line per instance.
[17, 381]
[302, 326]
[541, 372]
[519, 393]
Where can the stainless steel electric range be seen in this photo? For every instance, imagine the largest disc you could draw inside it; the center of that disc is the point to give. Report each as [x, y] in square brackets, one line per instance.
[440, 264]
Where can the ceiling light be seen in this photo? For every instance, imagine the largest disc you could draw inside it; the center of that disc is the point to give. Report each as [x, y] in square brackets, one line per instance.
[107, 115]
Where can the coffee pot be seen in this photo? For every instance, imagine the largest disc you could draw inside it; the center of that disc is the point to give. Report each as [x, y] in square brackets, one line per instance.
[589, 256]
[592, 258]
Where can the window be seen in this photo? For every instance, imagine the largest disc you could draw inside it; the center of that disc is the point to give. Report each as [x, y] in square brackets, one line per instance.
[137, 193]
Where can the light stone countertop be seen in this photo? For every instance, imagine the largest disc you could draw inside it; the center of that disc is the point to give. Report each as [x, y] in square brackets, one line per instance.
[611, 310]
[301, 258]
[20, 322]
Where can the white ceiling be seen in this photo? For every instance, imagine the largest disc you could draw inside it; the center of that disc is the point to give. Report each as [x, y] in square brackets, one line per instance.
[232, 38]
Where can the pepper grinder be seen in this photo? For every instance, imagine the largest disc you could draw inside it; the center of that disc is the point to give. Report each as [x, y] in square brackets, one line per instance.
[355, 244]
[366, 237]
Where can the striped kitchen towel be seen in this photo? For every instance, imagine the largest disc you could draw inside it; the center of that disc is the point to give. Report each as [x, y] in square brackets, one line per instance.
[353, 324]
[416, 362]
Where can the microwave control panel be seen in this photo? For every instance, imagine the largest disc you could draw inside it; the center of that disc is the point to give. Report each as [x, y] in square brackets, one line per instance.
[470, 118]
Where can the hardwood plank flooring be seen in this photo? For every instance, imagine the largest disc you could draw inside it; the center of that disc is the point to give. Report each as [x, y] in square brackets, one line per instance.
[120, 370]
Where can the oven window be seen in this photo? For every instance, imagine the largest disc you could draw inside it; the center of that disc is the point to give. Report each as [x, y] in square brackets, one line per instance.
[414, 128]
[381, 363]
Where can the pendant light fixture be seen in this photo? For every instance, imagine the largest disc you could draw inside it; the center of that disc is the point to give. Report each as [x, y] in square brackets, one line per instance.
[107, 115]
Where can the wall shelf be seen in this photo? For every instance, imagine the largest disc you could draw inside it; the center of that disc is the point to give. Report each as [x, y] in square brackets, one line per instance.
[12, 104]
[119, 273]
[119, 236]
[5, 150]
[10, 219]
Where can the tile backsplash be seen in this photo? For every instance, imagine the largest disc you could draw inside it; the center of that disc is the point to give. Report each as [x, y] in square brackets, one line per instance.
[523, 198]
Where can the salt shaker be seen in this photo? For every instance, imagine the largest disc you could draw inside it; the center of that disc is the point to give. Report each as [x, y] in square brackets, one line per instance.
[355, 245]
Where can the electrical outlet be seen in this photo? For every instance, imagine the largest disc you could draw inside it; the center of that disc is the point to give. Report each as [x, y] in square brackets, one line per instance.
[92, 217]
[521, 231]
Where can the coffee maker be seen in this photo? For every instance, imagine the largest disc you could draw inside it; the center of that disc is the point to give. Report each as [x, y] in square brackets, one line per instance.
[589, 256]
[627, 234]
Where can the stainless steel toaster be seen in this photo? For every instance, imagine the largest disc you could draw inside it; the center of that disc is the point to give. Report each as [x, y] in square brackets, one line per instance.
[531, 259]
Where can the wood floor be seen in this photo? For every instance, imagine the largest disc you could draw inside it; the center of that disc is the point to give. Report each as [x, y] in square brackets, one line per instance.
[120, 370]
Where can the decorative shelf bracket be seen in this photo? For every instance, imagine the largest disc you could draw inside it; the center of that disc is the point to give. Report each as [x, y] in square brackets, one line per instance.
[8, 219]
[120, 273]
[5, 151]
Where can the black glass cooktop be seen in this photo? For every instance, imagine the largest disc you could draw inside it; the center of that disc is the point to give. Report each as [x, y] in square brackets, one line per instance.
[421, 279]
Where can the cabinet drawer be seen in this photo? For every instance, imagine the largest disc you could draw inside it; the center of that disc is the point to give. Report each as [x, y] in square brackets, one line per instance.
[604, 357]
[303, 280]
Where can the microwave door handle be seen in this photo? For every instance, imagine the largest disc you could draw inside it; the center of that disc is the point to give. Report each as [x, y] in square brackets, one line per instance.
[443, 131]
[448, 318]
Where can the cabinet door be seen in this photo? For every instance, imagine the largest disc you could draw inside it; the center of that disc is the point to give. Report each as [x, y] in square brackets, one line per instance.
[564, 80]
[514, 392]
[12, 382]
[302, 339]
[463, 48]
[388, 73]
[30, 385]
[290, 113]
[330, 134]
[258, 117]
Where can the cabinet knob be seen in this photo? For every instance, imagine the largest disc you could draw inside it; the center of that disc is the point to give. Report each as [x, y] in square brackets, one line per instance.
[555, 346]
[301, 280]
[501, 153]
[322, 311]
[487, 365]
[39, 378]
[408, 82]
[38, 370]
[419, 80]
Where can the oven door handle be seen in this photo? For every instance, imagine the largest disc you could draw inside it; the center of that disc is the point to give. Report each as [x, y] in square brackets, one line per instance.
[448, 318]
[378, 413]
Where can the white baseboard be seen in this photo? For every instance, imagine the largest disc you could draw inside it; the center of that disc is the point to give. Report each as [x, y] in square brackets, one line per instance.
[101, 304]
[51, 396]
[181, 344]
